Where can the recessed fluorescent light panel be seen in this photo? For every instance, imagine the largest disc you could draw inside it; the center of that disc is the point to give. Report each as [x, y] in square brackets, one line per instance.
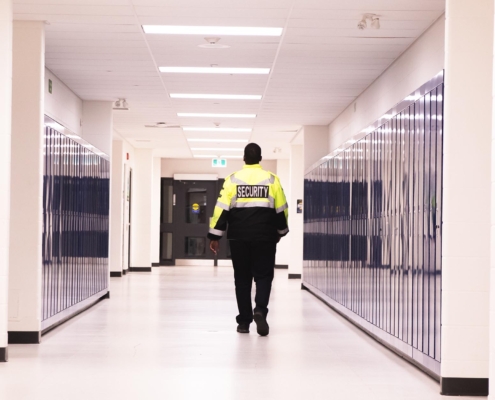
[200, 129]
[216, 149]
[212, 30]
[218, 140]
[210, 115]
[215, 70]
[216, 96]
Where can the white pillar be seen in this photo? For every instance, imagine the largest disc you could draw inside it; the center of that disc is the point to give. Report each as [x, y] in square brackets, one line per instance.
[5, 133]
[27, 179]
[155, 211]
[97, 130]
[142, 193]
[315, 144]
[466, 197]
[283, 247]
[116, 209]
[492, 250]
[296, 220]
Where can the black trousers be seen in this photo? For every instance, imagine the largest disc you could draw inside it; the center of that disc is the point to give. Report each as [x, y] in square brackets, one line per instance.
[256, 260]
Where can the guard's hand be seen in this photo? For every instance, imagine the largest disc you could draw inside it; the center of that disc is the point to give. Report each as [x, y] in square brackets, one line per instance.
[214, 246]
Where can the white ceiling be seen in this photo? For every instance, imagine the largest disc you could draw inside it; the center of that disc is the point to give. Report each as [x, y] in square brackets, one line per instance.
[320, 65]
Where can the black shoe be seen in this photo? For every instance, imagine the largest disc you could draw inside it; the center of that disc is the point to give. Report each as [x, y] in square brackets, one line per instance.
[243, 328]
[261, 324]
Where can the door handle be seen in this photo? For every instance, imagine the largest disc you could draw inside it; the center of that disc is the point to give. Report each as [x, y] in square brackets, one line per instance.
[173, 201]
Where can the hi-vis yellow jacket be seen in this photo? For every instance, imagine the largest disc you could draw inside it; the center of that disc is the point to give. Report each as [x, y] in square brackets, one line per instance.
[252, 203]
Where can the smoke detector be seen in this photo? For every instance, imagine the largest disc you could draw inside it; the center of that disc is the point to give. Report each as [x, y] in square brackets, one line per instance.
[372, 18]
[212, 43]
[121, 104]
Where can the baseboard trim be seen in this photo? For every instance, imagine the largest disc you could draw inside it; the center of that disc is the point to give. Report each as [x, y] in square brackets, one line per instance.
[20, 337]
[295, 276]
[156, 264]
[281, 266]
[4, 354]
[464, 386]
[139, 269]
[115, 274]
[125, 271]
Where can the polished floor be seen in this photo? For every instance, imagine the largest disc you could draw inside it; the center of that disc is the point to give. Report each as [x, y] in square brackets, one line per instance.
[170, 334]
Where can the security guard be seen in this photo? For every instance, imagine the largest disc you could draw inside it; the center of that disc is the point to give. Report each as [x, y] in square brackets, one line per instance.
[253, 205]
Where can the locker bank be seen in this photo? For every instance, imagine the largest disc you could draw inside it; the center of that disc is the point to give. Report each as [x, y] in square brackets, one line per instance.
[121, 121]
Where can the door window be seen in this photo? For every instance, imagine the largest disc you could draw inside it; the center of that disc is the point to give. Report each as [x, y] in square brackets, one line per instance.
[195, 246]
[196, 206]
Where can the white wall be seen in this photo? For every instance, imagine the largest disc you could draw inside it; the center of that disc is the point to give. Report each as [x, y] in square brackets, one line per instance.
[63, 105]
[283, 247]
[142, 193]
[171, 166]
[420, 63]
[97, 123]
[296, 223]
[119, 209]
[27, 176]
[315, 144]
[91, 120]
[5, 140]
[155, 210]
[128, 166]
[116, 207]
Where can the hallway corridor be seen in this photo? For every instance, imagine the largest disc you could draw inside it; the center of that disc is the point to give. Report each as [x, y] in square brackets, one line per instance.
[171, 335]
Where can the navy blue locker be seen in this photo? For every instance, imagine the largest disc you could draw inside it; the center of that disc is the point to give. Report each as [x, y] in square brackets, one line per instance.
[76, 194]
[372, 235]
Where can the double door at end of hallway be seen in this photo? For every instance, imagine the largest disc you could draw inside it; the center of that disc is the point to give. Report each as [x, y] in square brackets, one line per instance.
[186, 208]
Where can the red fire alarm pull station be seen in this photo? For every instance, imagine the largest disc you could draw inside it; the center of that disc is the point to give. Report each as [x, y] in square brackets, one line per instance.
[127, 156]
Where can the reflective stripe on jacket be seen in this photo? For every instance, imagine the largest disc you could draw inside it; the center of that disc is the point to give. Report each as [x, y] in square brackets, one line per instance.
[253, 205]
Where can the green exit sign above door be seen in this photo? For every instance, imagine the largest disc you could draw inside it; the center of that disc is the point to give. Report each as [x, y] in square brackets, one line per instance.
[219, 163]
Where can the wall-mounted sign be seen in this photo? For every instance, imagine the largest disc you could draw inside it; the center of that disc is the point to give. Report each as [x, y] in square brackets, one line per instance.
[219, 163]
[299, 206]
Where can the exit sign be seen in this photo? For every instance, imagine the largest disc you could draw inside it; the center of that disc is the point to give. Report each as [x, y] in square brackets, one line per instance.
[219, 163]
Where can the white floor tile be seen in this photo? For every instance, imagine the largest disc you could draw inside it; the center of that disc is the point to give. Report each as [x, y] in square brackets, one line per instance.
[171, 335]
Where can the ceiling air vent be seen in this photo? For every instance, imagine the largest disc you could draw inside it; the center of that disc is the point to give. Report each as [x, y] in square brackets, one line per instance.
[162, 125]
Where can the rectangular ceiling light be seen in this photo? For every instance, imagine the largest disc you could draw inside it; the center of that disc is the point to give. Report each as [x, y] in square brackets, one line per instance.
[212, 30]
[216, 149]
[212, 115]
[215, 70]
[216, 96]
[218, 140]
[204, 156]
[200, 129]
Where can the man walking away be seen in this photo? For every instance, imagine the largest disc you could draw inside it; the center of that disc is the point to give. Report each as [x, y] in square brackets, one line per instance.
[252, 204]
